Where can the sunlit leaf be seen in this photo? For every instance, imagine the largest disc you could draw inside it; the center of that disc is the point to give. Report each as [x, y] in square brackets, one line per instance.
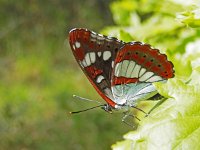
[173, 125]
[190, 18]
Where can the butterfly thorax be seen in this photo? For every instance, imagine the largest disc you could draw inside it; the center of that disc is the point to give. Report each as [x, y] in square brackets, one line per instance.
[118, 108]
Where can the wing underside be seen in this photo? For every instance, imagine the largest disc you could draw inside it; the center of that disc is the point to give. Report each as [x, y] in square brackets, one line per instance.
[122, 73]
[95, 54]
[136, 67]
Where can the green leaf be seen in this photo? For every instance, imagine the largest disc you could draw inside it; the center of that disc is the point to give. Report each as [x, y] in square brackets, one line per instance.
[190, 18]
[181, 62]
[125, 36]
[173, 125]
[122, 11]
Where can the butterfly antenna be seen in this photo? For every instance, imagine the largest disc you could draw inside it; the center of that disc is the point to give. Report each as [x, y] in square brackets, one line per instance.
[86, 99]
[76, 112]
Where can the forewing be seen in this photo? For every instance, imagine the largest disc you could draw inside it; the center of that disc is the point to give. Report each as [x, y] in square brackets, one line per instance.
[95, 54]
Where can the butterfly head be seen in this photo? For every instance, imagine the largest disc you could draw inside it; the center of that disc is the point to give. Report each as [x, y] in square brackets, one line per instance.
[107, 108]
[118, 108]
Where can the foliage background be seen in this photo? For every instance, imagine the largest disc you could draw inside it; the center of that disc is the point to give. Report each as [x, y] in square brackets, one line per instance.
[39, 74]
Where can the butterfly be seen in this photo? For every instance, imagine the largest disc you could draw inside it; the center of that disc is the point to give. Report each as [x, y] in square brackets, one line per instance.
[122, 73]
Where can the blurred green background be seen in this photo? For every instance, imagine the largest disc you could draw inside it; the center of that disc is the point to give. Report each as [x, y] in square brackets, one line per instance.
[39, 75]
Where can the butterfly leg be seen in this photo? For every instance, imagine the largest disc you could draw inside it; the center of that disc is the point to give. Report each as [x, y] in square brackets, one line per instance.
[155, 106]
[139, 109]
[125, 117]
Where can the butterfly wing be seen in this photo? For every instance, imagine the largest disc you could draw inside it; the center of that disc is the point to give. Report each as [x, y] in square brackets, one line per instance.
[95, 55]
[136, 67]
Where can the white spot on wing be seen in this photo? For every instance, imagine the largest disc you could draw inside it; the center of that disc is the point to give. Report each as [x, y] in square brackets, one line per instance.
[100, 78]
[81, 64]
[74, 48]
[112, 64]
[142, 71]
[124, 68]
[93, 35]
[146, 76]
[99, 54]
[92, 57]
[130, 69]
[106, 55]
[77, 44]
[135, 71]
[100, 37]
[87, 59]
[109, 39]
[154, 79]
[117, 69]
[84, 63]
